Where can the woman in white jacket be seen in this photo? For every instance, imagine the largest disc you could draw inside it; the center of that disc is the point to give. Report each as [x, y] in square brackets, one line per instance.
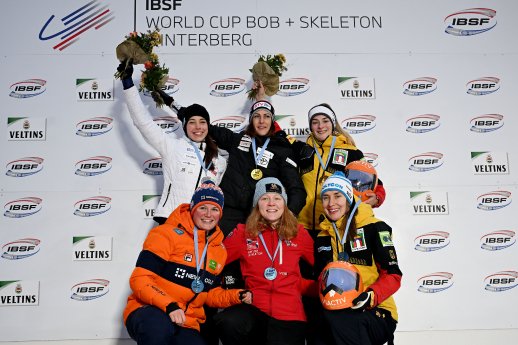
[187, 159]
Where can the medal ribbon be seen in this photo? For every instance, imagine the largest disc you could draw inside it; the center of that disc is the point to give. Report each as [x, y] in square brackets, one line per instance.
[328, 157]
[254, 148]
[198, 262]
[344, 237]
[266, 248]
[200, 159]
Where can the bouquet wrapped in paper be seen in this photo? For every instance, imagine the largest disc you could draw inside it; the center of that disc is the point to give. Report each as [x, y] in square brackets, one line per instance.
[137, 49]
[268, 69]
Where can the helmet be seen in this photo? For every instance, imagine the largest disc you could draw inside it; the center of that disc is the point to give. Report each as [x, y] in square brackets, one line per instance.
[363, 177]
[339, 284]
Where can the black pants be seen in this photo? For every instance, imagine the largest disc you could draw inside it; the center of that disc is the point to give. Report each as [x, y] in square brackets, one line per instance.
[352, 327]
[245, 324]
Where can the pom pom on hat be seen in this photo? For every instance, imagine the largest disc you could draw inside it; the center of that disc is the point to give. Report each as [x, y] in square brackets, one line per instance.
[207, 193]
[269, 185]
[338, 182]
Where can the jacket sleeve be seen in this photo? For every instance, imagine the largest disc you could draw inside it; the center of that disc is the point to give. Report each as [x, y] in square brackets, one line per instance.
[222, 298]
[224, 137]
[143, 120]
[143, 280]
[233, 243]
[380, 193]
[307, 243]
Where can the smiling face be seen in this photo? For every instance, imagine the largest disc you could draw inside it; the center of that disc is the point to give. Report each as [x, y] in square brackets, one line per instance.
[197, 128]
[271, 207]
[335, 205]
[321, 127]
[262, 121]
[206, 216]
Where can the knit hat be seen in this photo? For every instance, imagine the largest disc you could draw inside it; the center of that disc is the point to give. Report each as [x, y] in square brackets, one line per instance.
[261, 105]
[185, 113]
[322, 109]
[269, 185]
[207, 193]
[338, 182]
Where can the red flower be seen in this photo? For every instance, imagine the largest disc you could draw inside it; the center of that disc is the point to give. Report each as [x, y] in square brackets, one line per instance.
[148, 65]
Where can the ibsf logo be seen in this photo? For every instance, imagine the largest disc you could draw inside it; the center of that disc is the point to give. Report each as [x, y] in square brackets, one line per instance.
[501, 281]
[91, 15]
[359, 124]
[227, 87]
[497, 240]
[494, 200]
[293, 87]
[20, 249]
[24, 167]
[93, 206]
[93, 166]
[170, 87]
[422, 123]
[90, 289]
[153, 166]
[432, 241]
[27, 88]
[486, 123]
[230, 122]
[469, 22]
[420, 86]
[94, 126]
[22, 207]
[435, 282]
[483, 86]
[425, 161]
[168, 124]
[371, 158]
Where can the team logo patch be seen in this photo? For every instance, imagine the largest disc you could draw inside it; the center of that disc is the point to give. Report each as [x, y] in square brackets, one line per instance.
[340, 156]
[213, 264]
[187, 257]
[386, 239]
[252, 244]
[178, 231]
[358, 243]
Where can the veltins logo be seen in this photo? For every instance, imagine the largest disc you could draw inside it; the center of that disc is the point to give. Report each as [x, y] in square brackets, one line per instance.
[23, 207]
[483, 86]
[486, 123]
[429, 203]
[227, 87]
[422, 123]
[26, 129]
[359, 124]
[93, 166]
[23, 167]
[94, 126]
[28, 88]
[498, 240]
[293, 87]
[169, 124]
[432, 241]
[19, 292]
[20, 249]
[93, 206]
[92, 248]
[170, 87]
[425, 161]
[356, 88]
[494, 200]
[435, 282]
[420, 86]
[371, 158]
[92, 15]
[149, 204]
[90, 289]
[230, 122]
[153, 166]
[490, 163]
[469, 22]
[292, 126]
[92, 89]
[501, 281]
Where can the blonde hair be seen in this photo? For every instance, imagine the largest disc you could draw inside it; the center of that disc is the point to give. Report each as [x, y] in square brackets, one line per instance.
[287, 227]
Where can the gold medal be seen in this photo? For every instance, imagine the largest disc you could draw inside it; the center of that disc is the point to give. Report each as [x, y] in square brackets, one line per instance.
[256, 174]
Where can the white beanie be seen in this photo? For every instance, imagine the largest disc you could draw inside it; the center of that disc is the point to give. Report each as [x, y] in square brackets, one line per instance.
[322, 109]
[338, 182]
[269, 185]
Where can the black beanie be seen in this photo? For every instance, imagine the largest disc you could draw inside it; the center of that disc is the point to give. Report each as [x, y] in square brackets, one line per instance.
[185, 113]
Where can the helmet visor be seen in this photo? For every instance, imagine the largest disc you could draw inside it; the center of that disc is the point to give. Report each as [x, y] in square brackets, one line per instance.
[341, 279]
[361, 180]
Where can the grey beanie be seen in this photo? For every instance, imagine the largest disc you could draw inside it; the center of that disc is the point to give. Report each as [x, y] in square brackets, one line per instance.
[269, 185]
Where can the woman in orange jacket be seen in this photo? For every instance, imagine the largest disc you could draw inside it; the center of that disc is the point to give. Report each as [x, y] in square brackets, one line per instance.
[177, 272]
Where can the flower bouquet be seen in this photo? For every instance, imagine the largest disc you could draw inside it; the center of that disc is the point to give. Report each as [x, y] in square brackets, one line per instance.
[268, 69]
[137, 48]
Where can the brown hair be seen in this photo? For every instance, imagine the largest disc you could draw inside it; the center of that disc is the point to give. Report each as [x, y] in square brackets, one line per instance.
[211, 151]
[287, 228]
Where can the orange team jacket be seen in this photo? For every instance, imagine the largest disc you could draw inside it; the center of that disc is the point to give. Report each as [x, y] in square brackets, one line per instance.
[166, 268]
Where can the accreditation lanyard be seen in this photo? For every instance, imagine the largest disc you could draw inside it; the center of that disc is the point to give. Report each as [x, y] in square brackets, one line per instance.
[196, 254]
[342, 255]
[279, 244]
[254, 148]
[328, 157]
[200, 159]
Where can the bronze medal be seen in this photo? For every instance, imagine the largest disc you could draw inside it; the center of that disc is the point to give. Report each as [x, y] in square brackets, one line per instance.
[256, 174]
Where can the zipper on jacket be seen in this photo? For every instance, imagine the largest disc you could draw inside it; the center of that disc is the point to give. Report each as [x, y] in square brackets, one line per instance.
[316, 191]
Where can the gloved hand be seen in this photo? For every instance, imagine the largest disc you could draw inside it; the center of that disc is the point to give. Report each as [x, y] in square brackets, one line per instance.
[363, 301]
[245, 296]
[159, 94]
[125, 70]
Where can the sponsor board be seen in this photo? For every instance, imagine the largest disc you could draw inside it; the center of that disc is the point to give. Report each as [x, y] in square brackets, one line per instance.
[356, 88]
[27, 88]
[15, 293]
[21, 249]
[94, 126]
[498, 240]
[23, 167]
[90, 289]
[420, 86]
[429, 203]
[26, 129]
[432, 241]
[471, 21]
[490, 163]
[23, 207]
[435, 282]
[92, 248]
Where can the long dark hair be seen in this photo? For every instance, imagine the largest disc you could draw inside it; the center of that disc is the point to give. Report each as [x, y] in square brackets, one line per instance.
[211, 151]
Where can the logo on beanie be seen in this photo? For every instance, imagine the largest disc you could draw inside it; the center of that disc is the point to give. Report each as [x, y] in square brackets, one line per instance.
[273, 188]
[469, 22]
[262, 104]
[227, 87]
[486, 123]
